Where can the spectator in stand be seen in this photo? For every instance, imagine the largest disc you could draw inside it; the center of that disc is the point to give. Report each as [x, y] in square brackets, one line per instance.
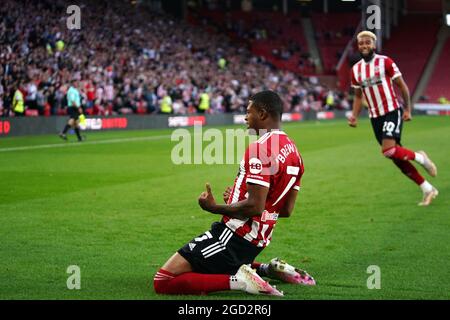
[2, 93]
[120, 55]
[89, 90]
[41, 99]
[31, 91]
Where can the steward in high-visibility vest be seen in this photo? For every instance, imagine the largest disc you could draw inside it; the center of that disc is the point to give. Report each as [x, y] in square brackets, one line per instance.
[166, 104]
[330, 100]
[49, 49]
[18, 103]
[222, 63]
[60, 45]
[204, 102]
[443, 100]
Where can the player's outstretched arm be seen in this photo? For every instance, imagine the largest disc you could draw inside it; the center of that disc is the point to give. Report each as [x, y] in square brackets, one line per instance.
[252, 206]
[406, 97]
[357, 105]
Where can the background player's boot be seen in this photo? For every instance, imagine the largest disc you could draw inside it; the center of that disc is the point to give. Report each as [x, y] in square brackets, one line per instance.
[254, 284]
[62, 136]
[279, 269]
[428, 164]
[428, 197]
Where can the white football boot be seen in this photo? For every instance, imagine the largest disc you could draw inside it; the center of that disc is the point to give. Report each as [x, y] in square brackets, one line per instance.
[279, 269]
[428, 197]
[428, 164]
[254, 284]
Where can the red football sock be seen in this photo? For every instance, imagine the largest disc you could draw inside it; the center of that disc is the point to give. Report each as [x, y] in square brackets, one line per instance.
[190, 283]
[409, 170]
[399, 153]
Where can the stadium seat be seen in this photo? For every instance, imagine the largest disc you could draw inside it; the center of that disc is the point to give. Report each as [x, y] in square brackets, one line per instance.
[439, 84]
[420, 38]
[333, 24]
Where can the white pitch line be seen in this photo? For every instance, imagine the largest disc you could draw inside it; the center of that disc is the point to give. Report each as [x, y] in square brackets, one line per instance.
[119, 140]
[77, 144]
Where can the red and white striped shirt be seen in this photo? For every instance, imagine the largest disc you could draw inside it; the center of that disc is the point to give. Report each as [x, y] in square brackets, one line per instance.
[272, 162]
[375, 80]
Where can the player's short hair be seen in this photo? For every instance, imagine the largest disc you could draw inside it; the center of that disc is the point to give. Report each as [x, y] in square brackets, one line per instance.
[367, 33]
[269, 101]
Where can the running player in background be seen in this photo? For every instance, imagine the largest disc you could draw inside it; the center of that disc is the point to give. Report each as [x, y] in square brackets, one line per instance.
[74, 110]
[373, 76]
[264, 190]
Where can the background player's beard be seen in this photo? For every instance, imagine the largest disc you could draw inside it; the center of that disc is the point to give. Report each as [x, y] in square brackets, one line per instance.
[369, 56]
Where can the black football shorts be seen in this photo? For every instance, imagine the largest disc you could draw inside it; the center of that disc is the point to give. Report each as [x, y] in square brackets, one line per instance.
[73, 113]
[388, 126]
[219, 251]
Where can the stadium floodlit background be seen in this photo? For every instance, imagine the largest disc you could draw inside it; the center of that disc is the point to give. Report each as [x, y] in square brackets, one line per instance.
[117, 207]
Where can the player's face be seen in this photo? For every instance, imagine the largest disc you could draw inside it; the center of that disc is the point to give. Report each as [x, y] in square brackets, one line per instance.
[252, 117]
[366, 46]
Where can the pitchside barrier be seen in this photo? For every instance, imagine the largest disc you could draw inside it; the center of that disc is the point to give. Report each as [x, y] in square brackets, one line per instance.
[23, 126]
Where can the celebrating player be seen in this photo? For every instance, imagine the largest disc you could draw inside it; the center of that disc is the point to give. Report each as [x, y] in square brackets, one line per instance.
[264, 190]
[373, 76]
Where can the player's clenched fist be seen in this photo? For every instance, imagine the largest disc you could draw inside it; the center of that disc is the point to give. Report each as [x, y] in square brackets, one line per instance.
[352, 121]
[206, 199]
[407, 115]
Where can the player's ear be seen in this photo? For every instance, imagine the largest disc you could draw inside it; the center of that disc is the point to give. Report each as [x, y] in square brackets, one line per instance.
[263, 114]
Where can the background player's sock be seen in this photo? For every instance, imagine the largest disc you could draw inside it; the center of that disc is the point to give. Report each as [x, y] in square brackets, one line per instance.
[399, 153]
[261, 268]
[419, 158]
[426, 187]
[409, 170]
[190, 283]
[66, 128]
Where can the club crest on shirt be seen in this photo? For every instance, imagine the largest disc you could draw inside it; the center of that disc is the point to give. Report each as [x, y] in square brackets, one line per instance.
[255, 166]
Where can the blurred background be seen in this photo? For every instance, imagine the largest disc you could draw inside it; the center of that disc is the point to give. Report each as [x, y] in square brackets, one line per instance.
[208, 56]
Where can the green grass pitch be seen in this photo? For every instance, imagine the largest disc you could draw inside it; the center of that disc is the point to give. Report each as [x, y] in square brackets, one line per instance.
[119, 209]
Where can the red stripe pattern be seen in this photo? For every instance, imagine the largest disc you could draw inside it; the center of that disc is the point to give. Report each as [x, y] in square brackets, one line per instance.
[374, 78]
[272, 162]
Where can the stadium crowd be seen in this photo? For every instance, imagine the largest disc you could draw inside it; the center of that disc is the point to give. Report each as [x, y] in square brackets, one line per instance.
[132, 60]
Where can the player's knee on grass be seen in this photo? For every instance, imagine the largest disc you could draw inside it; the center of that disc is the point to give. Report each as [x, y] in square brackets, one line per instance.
[160, 286]
[161, 282]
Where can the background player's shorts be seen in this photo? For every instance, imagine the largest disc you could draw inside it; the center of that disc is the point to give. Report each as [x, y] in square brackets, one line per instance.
[388, 126]
[73, 113]
[219, 251]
